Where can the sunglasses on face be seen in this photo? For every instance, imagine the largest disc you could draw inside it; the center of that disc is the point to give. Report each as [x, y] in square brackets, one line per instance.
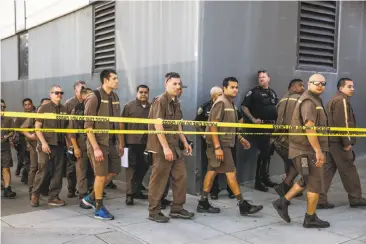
[58, 93]
[143, 92]
[319, 83]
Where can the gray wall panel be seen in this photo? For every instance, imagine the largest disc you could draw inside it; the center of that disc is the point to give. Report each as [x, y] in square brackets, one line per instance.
[62, 47]
[9, 59]
[153, 38]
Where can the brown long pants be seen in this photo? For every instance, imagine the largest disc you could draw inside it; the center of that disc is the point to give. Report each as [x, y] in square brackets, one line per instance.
[343, 161]
[84, 170]
[53, 163]
[161, 170]
[33, 166]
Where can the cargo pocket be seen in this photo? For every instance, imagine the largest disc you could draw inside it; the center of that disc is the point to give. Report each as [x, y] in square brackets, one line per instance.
[212, 160]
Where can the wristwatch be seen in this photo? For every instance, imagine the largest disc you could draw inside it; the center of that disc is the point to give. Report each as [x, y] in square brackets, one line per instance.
[217, 148]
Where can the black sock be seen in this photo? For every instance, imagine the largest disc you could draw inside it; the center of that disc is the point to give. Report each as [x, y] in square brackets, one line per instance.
[99, 203]
[239, 198]
[204, 195]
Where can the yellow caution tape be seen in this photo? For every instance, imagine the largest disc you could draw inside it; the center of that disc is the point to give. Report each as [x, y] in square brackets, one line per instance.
[98, 131]
[174, 122]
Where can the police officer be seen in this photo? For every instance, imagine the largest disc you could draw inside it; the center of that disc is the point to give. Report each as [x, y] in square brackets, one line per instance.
[136, 143]
[219, 154]
[259, 105]
[32, 146]
[308, 153]
[285, 110]
[71, 169]
[342, 156]
[84, 170]
[6, 159]
[102, 148]
[50, 150]
[167, 158]
[203, 112]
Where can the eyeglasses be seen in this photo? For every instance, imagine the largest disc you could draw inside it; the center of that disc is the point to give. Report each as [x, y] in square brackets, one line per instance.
[58, 93]
[319, 83]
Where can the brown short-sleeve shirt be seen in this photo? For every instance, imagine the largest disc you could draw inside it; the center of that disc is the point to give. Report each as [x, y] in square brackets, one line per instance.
[51, 137]
[308, 111]
[164, 107]
[6, 122]
[29, 123]
[109, 107]
[135, 109]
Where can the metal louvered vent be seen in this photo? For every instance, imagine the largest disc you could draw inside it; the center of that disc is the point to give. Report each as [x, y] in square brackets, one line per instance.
[104, 35]
[318, 36]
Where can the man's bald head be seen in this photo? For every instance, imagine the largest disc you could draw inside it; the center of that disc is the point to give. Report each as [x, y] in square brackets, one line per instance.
[317, 84]
[215, 92]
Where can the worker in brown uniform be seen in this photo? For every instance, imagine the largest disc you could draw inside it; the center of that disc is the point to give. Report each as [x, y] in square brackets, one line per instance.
[285, 110]
[136, 143]
[6, 159]
[71, 169]
[102, 147]
[219, 153]
[50, 150]
[21, 144]
[32, 139]
[308, 153]
[167, 157]
[342, 156]
[78, 154]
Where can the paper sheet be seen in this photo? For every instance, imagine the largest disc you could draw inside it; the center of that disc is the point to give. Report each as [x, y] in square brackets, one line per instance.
[124, 158]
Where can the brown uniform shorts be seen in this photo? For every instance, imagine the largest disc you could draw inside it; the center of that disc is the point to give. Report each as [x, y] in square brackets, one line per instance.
[6, 159]
[314, 182]
[225, 166]
[111, 163]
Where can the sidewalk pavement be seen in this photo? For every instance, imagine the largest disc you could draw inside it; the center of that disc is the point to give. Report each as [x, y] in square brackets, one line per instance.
[21, 223]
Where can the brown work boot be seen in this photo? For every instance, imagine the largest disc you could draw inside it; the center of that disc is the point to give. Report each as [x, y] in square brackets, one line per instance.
[56, 202]
[312, 221]
[34, 201]
[357, 202]
[159, 218]
[183, 214]
[326, 205]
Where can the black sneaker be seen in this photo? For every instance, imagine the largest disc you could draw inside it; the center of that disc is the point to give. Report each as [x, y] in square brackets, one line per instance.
[312, 221]
[165, 203]
[159, 218]
[281, 205]
[268, 182]
[357, 202]
[8, 193]
[205, 207]
[183, 214]
[129, 201]
[246, 208]
[326, 205]
[281, 189]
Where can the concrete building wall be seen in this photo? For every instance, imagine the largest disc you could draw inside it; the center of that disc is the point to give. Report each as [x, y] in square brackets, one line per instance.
[9, 59]
[152, 39]
[60, 52]
[240, 38]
